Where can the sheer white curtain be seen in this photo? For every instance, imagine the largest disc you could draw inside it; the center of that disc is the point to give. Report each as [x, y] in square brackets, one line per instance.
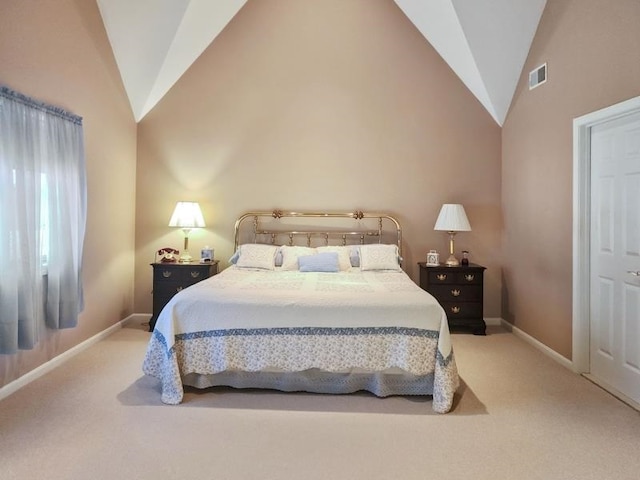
[42, 219]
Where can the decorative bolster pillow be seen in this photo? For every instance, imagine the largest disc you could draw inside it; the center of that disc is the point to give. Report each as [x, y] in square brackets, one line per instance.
[320, 262]
[236, 255]
[354, 255]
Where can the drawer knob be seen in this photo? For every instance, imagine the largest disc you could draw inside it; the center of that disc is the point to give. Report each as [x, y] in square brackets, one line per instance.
[455, 293]
[455, 309]
[441, 276]
[178, 289]
[195, 274]
[166, 273]
[469, 277]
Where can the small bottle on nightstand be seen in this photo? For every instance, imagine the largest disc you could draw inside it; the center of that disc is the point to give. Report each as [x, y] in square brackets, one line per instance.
[465, 258]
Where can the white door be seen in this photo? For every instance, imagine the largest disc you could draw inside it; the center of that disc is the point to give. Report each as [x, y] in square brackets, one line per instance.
[615, 255]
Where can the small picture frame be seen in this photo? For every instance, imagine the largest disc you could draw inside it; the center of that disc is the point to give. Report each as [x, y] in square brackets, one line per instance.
[433, 258]
[206, 255]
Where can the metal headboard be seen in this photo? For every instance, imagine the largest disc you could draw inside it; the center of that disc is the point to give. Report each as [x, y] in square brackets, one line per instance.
[338, 235]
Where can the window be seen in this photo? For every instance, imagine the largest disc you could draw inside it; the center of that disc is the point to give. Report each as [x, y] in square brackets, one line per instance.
[42, 219]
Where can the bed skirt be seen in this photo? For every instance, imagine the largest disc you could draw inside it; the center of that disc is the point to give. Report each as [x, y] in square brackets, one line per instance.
[203, 361]
[380, 384]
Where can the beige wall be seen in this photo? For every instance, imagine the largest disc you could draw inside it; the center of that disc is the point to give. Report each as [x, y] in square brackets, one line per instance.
[592, 49]
[58, 52]
[326, 105]
[333, 105]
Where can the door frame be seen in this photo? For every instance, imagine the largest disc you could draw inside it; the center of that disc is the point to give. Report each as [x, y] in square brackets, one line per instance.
[582, 225]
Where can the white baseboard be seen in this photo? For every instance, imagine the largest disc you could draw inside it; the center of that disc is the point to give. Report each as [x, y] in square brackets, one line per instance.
[58, 360]
[565, 362]
[137, 318]
[494, 322]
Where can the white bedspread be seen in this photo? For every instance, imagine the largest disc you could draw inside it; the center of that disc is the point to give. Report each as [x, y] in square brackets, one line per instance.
[289, 321]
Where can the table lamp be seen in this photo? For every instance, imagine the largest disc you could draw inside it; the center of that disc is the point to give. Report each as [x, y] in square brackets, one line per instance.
[187, 215]
[452, 219]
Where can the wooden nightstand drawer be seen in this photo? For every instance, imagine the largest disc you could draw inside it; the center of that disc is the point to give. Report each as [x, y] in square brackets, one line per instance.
[194, 275]
[469, 278]
[460, 292]
[164, 289]
[181, 273]
[165, 274]
[462, 309]
[438, 277]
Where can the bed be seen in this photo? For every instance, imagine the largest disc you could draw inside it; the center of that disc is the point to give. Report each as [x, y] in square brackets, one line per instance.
[333, 313]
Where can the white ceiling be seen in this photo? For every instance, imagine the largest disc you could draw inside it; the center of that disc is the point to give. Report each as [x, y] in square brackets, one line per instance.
[485, 42]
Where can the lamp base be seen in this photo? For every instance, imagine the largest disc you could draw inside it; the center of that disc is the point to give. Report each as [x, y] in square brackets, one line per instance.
[185, 258]
[452, 261]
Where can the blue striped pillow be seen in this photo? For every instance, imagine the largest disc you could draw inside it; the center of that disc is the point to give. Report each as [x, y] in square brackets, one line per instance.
[320, 262]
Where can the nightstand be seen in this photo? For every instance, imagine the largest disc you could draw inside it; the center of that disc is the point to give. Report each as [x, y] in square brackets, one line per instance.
[459, 291]
[170, 278]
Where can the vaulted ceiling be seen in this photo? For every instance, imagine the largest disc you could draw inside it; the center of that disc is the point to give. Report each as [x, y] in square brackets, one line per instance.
[485, 42]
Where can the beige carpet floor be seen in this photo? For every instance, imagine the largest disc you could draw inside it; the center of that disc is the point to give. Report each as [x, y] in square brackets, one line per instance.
[518, 415]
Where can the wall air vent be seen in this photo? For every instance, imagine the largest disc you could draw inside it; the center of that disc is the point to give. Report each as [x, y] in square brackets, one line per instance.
[537, 76]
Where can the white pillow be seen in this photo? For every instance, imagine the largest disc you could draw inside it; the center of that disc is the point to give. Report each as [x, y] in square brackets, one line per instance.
[290, 256]
[379, 257]
[255, 255]
[343, 255]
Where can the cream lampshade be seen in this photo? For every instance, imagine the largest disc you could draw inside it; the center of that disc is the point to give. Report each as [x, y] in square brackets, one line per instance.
[452, 219]
[187, 215]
